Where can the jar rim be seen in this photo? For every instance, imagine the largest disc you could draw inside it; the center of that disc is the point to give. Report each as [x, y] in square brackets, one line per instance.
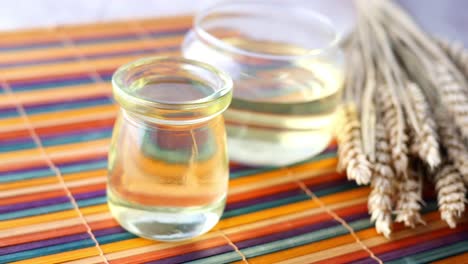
[122, 94]
[290, 10]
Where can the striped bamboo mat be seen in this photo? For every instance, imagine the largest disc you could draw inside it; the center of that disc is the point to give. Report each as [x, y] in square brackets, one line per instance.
[56, 116]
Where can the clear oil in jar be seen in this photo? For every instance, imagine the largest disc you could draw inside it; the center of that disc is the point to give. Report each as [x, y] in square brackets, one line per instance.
[168, 174]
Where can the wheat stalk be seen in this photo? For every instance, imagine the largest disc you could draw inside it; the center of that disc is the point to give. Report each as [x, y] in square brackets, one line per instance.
[453, 96]
[409, 200]
[399, 149]
[403, 23]
[426, 141]
[396, 114]
[350, 153]
[456, 52]
[392, 72]
[368, 111]
[450, 194]
[453, 144]
[380, 198]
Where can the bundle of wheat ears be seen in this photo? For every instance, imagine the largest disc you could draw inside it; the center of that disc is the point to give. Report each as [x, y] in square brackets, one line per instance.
[405, 117]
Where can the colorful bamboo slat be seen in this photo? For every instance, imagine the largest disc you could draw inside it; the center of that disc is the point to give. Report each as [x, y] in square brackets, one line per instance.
[56, 112]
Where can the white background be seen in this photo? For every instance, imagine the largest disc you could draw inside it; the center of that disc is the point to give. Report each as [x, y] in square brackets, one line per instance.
[442, 17]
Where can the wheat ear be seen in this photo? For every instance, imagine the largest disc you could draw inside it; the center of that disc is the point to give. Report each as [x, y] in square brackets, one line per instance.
[350, 152]
[409, 200]
[456, 52]
[453, 144]
[426, 140]
[399, 148]
[450, 194]
[453, 95]
[380, 198]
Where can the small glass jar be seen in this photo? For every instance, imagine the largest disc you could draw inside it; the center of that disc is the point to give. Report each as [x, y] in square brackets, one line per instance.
[287, 69]
[168, 165]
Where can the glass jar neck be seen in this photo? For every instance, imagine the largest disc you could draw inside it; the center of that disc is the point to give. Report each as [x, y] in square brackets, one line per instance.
[171, 90]
[176, 117]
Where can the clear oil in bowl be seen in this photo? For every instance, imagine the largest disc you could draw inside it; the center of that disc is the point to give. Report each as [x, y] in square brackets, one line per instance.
[282, 111]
